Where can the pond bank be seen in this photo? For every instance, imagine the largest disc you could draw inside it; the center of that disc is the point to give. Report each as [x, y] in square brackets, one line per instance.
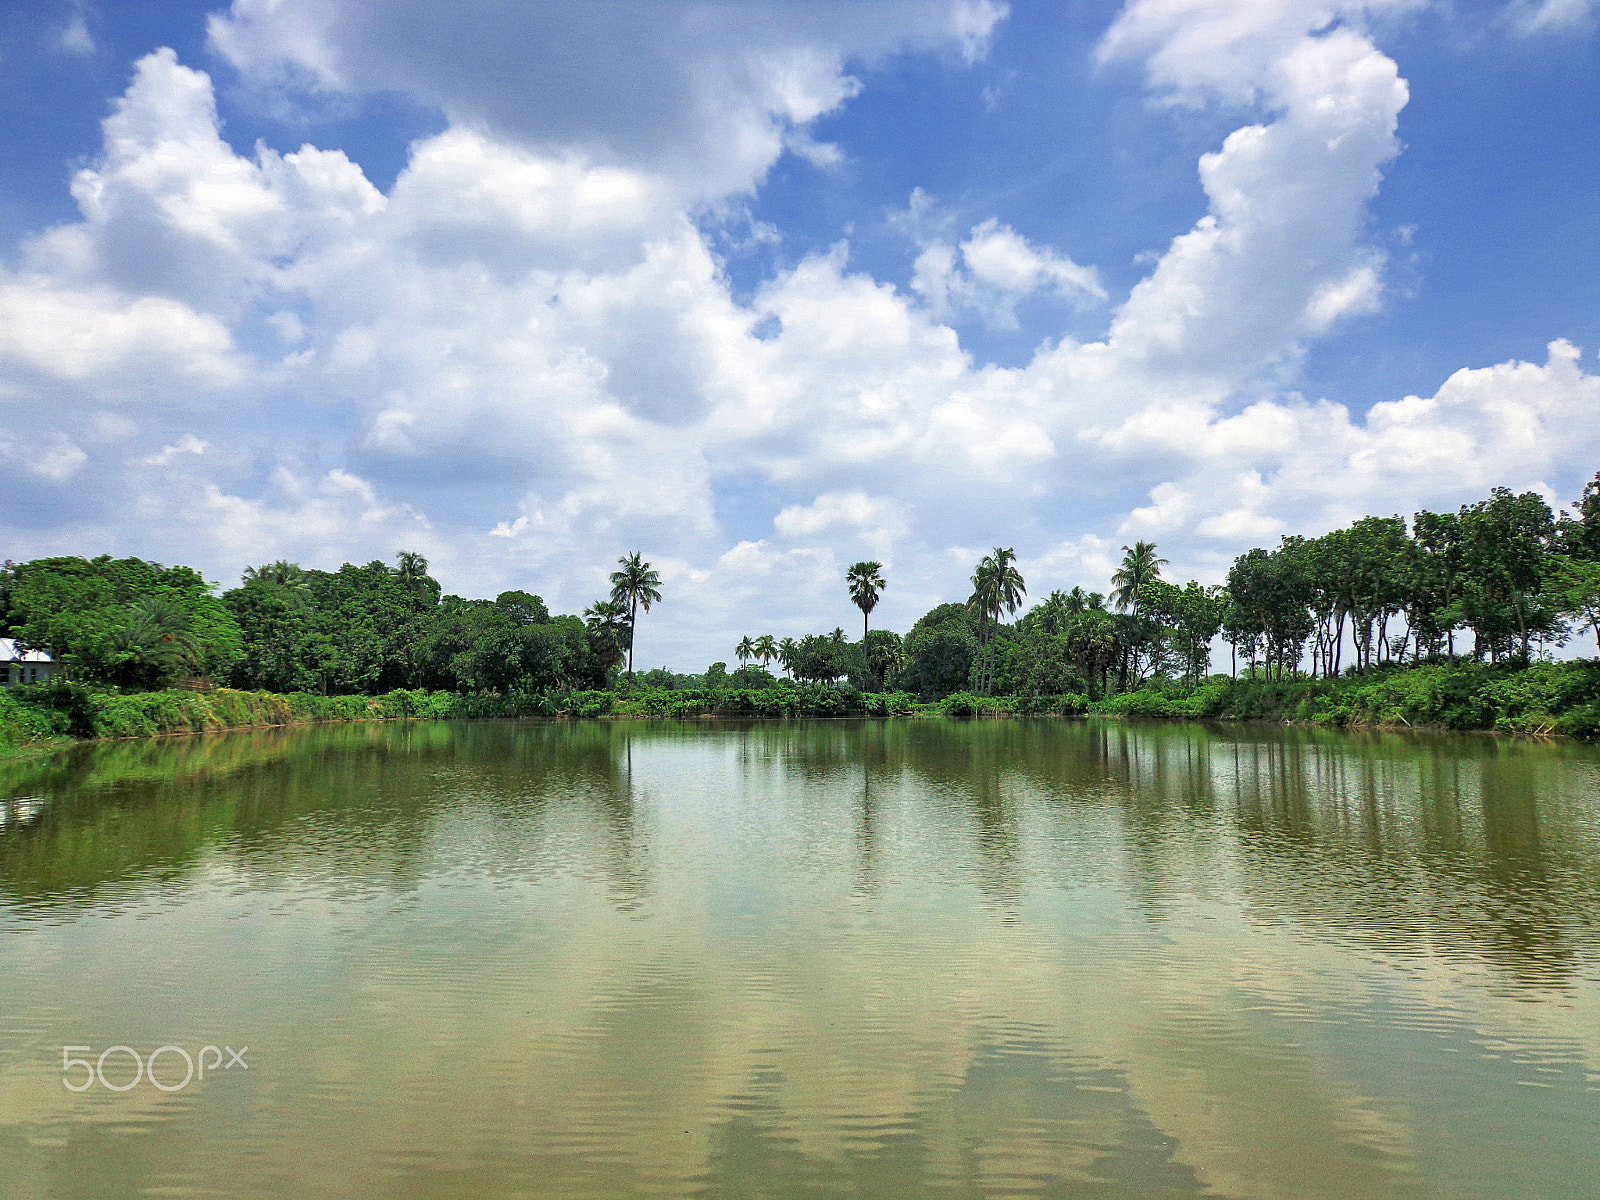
[1544, 698]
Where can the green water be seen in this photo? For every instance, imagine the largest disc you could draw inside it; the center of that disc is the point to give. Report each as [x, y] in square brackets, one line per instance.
[805, 960]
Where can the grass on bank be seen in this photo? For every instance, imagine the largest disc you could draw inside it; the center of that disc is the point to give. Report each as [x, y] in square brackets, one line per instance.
[1544, 698]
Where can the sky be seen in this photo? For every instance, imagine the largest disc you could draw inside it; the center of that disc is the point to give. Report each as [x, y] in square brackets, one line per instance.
[761, 288]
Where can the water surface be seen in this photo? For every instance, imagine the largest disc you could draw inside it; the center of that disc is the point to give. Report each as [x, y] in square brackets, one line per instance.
[814, 959]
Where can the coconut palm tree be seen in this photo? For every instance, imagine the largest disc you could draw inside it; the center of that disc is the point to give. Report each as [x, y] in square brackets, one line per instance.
[158, 641]
[1052, 614]
[1139, 567]
[411, 567]
[786, 652]
[282, 573]
[766, 649]
[1078, 600]
[746, 649]
[997, 587]
[606, 626]
[637, 586]
[865, 580]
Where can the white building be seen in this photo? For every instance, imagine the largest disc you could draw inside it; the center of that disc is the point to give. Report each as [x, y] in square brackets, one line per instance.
[25, 666]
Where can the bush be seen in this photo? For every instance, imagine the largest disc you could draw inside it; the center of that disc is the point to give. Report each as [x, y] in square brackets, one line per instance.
[1541, 698]
[25, 724]
[888, 704]
[589, 704]
[960, 704]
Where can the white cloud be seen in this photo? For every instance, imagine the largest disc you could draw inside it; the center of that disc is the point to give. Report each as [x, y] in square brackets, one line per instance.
[854, 511]
[1529, 18]
[701, 94]
[122, 345]
[1169, 506]
[75, 37]
[54, 457]
[1198, 49]
[989, 271]
[187, 444]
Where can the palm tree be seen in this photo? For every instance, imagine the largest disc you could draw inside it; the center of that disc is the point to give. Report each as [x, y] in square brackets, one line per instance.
[411, 567]
[158, 640]
[1078, 600]
[281, 573]
[766, 649]
[746, 650]
[606, 623]
[786, 653]
[997, 587]
[865, 580]
[1054, 612]
[1139, 567]
[637, 586]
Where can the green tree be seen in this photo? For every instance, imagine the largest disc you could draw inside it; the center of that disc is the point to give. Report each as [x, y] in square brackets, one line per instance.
[1192, 616]
[411, 569]
[1434, 603]
[80, 611]
[745, 650]
[1140, 565]
[1574, 584]
[509, 644]
[157, 642]
[884, 656]
[286, 644]
[606, 622]
[637, 586]
[374, 619]
[1507, 541]
[766, 649]
[1580, 532]
[997, 588]
[865, 581]
[1268, 609]
[280, 574]
[939, 651]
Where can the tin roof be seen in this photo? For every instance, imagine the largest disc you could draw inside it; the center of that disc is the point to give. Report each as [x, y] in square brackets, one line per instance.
[10, 654]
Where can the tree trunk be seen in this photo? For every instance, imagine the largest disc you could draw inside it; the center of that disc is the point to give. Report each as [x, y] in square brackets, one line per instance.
[633, 620]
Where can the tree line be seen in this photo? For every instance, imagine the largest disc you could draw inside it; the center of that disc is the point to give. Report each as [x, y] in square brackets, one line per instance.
[1503, 579]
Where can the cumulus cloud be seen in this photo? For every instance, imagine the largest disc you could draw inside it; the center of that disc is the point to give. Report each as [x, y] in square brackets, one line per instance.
[54, 457]
[526, 358]
[875, 518]
[705, 94]
[990, 269]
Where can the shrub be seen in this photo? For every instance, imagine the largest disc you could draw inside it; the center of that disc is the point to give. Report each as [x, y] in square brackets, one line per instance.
[960, 704]
[25, 724]
[589, 704]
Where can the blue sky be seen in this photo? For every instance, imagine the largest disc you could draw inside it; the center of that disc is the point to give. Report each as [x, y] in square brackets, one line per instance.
[762, 288]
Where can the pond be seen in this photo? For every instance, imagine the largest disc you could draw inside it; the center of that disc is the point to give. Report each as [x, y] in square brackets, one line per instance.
[913, 959]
